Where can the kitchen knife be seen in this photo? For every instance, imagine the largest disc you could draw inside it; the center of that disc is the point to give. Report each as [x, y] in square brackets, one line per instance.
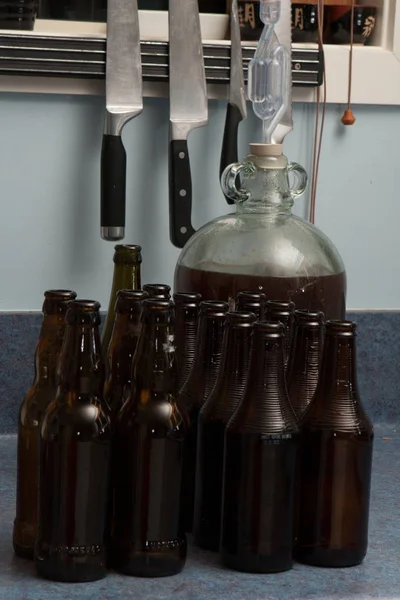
[237, 106]
[124, 100]
[188, 110]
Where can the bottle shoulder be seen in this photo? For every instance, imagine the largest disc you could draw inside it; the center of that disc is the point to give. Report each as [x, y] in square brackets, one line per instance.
[158, 412]
[345, 415]
[86, 418]
[35, 404]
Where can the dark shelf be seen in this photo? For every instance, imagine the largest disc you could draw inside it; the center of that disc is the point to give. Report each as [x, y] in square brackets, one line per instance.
[56, 56]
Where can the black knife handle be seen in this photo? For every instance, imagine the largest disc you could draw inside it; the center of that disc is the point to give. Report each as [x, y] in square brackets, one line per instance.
[229, 153]
[180, 194]
[113, 181]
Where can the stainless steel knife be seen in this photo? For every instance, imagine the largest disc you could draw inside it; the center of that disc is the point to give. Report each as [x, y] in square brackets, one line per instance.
[188, 110]
[237, 106]
[124, 100]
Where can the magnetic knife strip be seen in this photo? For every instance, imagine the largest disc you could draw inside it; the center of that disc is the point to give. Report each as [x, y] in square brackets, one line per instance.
[80, 57]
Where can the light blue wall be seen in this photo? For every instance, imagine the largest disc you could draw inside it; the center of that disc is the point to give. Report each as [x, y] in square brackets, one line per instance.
[49, 170]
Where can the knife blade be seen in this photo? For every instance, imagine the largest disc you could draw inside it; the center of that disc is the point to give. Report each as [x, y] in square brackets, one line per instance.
[124, 100]
[283, 31]
[188, 110]
[237, 105]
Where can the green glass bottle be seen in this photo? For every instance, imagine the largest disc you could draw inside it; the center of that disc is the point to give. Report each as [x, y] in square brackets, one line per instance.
[127, 261]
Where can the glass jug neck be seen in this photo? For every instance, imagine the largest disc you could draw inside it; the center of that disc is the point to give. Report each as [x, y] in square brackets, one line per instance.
[268, 192]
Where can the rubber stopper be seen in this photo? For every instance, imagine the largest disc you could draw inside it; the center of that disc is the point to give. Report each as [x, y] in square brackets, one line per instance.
[348, 117]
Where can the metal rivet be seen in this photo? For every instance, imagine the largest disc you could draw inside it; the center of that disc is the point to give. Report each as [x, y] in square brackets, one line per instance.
[182, 155]
[182, 193]
[183, 229]
[297, 66]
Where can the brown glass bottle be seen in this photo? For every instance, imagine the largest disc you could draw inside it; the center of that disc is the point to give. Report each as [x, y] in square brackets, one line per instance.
[195, 391]
[127, 261]
[41, 393]
[259, 468]
[75, 440]
[147, 538]
[213, 418]
[336, 460]
[305, 359]
[252, 302]
[124, 339]
[282, 312]
[186, 322]
[158, 291]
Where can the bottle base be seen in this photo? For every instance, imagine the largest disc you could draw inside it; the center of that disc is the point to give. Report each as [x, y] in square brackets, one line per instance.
[329, 557]
[255, 563]
[24, 538]
[71, 570]
[143, 565]
[23, 551]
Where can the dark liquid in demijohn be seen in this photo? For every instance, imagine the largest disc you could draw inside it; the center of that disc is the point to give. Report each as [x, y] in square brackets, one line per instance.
[326, 292]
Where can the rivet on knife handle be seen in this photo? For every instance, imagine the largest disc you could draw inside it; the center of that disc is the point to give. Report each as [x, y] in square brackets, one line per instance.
[180, 194]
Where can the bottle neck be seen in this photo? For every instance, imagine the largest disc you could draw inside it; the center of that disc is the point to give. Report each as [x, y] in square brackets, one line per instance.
[266, 370]
[154, 369]
[208, 355]
[305, 357]
[338, 370]
[269, 193]
[126, 277]
[236, 352]
[126, 332]
[48, 348]
[266, 408]
[81, 367]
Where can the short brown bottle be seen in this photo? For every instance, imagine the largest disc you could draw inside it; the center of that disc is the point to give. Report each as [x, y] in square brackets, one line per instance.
[158, 291]
[251, 302]
[186, 322]
[127, 261]
[336, 460]
[74, 453]
[122, 347]
[147, 535]
[305, 359]
[195, 391]
[213, 418]
[282, 312]
[41, 393]
[261, 444]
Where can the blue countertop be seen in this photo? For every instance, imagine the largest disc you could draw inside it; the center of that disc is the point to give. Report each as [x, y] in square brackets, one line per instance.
[203, 577]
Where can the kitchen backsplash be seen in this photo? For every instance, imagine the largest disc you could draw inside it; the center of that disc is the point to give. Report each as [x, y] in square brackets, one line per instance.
[378, 359]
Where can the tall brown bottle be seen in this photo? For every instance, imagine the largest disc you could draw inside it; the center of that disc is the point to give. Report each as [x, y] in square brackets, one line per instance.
[196, 390]
[259, 468]
[147, 537]
[213, 418]
[158, 291]
[39, 396]
[282, 312]
[124, 339]
[305, 359]
[127, 261]
[186, 322]
[336, 460]
[251, 302]
[75, 440]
